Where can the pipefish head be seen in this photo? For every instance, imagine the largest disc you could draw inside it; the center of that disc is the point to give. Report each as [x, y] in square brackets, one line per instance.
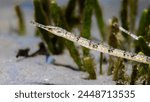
[55, 30]
[48, 28]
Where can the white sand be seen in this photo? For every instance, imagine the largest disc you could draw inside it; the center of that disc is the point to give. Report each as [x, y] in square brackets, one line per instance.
[35, 70]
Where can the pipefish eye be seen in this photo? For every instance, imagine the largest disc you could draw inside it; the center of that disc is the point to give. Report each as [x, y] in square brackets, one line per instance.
[58, 30]
[49, 29]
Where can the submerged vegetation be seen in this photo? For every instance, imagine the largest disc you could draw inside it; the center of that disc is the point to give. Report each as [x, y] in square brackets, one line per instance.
[21, 24]
[78, 15]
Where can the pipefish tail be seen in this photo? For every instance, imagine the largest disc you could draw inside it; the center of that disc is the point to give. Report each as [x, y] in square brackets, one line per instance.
[93, 45]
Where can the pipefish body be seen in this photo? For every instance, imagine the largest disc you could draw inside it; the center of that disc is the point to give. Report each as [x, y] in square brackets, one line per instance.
[93, 45]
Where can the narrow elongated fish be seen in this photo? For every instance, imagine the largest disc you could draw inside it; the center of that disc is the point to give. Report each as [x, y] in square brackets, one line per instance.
[93, 45]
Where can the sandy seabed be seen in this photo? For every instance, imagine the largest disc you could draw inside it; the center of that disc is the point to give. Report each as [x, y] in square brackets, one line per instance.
[35, 70]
